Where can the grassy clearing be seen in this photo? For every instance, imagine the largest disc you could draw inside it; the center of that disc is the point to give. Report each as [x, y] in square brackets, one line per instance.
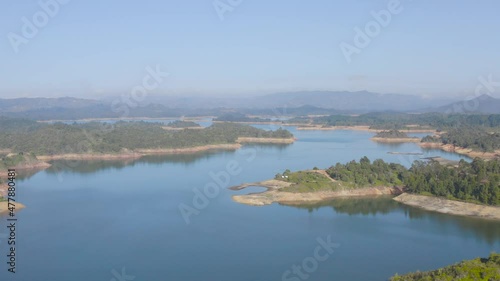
[306, 181]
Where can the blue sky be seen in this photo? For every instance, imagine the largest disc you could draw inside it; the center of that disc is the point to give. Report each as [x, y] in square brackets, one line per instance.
[93, 48]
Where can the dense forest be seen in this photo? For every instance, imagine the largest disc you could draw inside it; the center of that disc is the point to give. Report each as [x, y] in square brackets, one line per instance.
[391, 134]
[401, 121]
[364, 173]
[478, 269]
[478, 181]
[474, 138]
[46, 139]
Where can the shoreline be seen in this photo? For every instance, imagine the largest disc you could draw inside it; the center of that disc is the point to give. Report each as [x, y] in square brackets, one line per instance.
[395, 140]
[460, 150]
[266, 140]
[451, 207]
[166, 128]
[273, 195]
[358, 128]
[138, 153]
[252, 122]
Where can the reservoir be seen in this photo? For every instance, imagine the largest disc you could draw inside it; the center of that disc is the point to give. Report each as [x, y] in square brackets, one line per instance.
[120, 220]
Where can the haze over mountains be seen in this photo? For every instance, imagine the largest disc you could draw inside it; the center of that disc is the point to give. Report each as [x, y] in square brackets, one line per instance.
[295, 103]
[481, 104]
[340, 100]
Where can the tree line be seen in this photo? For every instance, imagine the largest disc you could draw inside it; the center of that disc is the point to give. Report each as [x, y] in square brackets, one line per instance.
[400, 121]
[478, 181]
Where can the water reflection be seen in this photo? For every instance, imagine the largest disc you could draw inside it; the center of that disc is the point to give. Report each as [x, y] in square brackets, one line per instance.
[482, 229]
[356, 206]
[92, 166]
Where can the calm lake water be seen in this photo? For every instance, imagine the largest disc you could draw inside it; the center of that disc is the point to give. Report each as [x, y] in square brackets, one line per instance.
[97, 220]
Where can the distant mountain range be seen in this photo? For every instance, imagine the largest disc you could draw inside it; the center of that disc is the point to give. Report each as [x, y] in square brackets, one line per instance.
[281, 104]
[339, 100]
[481, 104]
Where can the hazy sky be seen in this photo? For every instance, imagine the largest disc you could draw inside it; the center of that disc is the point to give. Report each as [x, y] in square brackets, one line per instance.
[89, 48]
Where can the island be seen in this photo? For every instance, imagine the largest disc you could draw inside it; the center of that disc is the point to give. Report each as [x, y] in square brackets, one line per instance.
[393, 136]
[182, 125]
[235, 117]
[477, 269]
[469, 189]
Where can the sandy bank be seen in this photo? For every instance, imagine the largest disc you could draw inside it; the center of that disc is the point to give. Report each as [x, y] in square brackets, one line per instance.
[138, 153]
[229, 146]
[252, 122]
[445, 206]
[395, 140]
[89, 156]
[265, 140]
[4, 207]
[273, 195]
[359, 128]
[460, 150]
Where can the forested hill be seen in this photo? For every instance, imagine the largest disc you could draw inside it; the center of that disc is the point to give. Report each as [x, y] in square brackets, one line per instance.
[477, 182]
[20, 135]
[475, 138]
[391, 134]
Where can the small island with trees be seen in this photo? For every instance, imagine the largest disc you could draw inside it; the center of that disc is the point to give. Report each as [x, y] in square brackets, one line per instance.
[235, 117]
[394, 136]
[181, 125]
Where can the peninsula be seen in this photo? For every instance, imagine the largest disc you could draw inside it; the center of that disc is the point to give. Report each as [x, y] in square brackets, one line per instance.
[469, 189]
